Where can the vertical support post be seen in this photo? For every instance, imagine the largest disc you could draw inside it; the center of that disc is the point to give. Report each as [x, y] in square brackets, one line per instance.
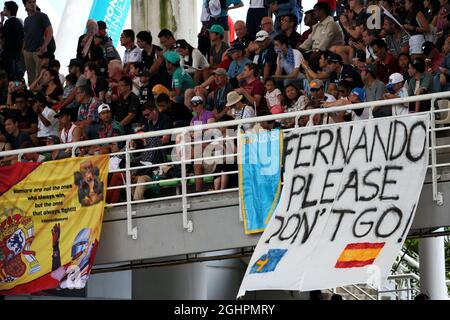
[432, 267]
[187, 224]
[437, 196]
[240, 161]
[132, 231]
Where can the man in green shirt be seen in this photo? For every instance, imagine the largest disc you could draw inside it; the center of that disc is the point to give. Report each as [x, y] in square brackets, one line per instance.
[181, 80]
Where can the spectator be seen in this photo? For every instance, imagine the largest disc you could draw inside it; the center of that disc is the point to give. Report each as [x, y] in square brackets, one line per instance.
[192, 61]
[442, 77]
[416, 25]
[252, 88]
[321, 72]
[374, 89]
[98, 84]
[48, 83]
[421, 82]
[127, 108]
[218, 98]
[38, 39]
[145, 87]
[242, 35]
[355, 32]
[403, 62]
[107, 127]
[218, 46]
[12, 34]
[267, 26]
[132, 52]
[267, 57]
[257, 11]
[318, 97]
[274, 97]
[181, 80]
[339, 71]
[157, 121]
[433, 57]
[396, 89]
[288, 27]
[310, 21]
[68, 131]
[178, 113]
[14, 136]
[236, 69]
[56, 65]
[222, 17]
[53, 155]
[239, 110]
[47, 124]
[324, 34]
[159, 89]
[282, 8]
[397, 39]
[386, 62]
[86, 42]
[288, 62]
[87, 107]
[167, 40]
[26, 117]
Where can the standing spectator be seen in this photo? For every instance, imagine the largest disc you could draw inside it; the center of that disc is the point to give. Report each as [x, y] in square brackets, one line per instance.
[181, 80]
[218, 46]
[355, 32]
[257, 10]
[222, 17]
[421, 82]
[98, 84]
[396, 89]
[132, 53]
[288, 27]
[397, 39]
[38, 38]
[281, 8]
[417, 25]
[167, 40]
[326, 33]
[127, 109]
[267, 57]
[86, 42]
[12, 34]
[267, 26]
[374, 89]
[47, 124]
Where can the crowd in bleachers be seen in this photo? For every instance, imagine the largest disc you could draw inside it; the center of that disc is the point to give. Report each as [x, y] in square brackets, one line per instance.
[345, 56]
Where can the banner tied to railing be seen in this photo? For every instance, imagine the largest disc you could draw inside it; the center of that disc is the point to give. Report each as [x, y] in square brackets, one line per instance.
[349, 198]
[50, 223]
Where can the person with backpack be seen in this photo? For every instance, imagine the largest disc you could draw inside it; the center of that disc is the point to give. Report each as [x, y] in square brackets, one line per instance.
[216, 12]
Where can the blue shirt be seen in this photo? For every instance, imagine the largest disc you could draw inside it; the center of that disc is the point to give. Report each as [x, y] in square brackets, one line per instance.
[236, 69]
[224, 13]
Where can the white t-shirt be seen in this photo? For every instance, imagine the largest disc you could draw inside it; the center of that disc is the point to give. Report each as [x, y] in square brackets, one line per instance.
[52, 130]
[133, 55]
[272, 98]
[245, 113]
[199, 62]
[256, 3]
[289, 68]
[401, 108]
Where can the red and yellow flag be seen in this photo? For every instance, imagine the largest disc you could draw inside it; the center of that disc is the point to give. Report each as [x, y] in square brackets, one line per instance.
[50, 223]
[359, 255]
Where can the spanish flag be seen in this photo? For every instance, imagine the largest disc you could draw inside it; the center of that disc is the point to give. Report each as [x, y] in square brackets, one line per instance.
[358, 255]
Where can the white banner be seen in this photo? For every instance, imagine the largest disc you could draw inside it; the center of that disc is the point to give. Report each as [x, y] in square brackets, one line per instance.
[349, 199]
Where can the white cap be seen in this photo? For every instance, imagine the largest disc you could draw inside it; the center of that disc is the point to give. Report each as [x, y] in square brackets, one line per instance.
[396, 78]
[197, 99]
[103, 107]
[261, 36]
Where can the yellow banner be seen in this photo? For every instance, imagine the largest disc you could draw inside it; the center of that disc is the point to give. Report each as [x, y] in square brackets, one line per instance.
[50, 223]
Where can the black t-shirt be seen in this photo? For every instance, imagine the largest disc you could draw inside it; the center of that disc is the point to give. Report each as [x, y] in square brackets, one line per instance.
[180, 115]
[145, 94]
[293, 39]
[268, 56]
[17, 142]
[164, 122]
[100, 85]
[12, 34]
[125, 106]
[347, 72]
[245, 40]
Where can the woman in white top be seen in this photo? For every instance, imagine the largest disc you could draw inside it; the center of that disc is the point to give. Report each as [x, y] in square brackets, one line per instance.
[239, 110]
[288, 62]
[193, 61]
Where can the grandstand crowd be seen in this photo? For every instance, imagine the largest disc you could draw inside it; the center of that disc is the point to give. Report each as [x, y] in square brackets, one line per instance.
[344, 56]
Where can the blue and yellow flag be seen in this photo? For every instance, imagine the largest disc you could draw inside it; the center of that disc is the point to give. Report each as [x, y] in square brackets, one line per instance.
[260, 178]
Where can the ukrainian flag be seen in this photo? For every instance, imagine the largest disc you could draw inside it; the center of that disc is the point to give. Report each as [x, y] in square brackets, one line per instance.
[260, 178]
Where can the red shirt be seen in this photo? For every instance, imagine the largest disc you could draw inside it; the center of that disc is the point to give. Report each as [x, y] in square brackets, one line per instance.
[255, 88]
[387, 67]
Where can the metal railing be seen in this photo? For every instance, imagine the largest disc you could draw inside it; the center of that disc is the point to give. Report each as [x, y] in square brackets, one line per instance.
[183, 181]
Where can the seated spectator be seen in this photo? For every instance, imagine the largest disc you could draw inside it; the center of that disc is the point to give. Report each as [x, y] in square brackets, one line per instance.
[115, 74]
[288, 27]
[374, 89]
[69, 90]
[433, 57]
[239, 110]
[397, 39]
[242, 36]
[319, 73]
[132, 52]
[310, 21]
[48, 83]
[267, 26]
[98, 84]
[218, 46]
[14, 136]
[76, 69]
[252, 88]
[56, 65]
[339, 71]
[192, 61]
[318, 97]
[442, 77]
[167, 40]
[181, 80]
[56, 154]
[288, 62]
[386, 62]
[68, 131]
[403, 63]
[396, 89]
[294, 101]
[14, 88]
[355, 31]
[282, 8]
[134, 74]
[326, 33]
[24, 114]
[178, 113]
[145, 87]
[47, 124]
[127, 108]
[416, 25]
[107, 127]
[156, 121]
[159, 89]
[201, 115]
[421, 82]
[266, 59]
[33, 156]
[87, 107]
[239, 60]
[274, 97]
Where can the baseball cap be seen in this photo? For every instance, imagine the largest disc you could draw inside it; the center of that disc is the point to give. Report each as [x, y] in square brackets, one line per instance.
[360, 93]
[62, 112]
[76, 63]
[316, 84]
[215, 28]
[182, 44]
[196, 100]
[396, 78]
[261, 36]
[371, 68]
[172, 56]
[334, 57]
[238, 46]
[103, 107]
[220, 72]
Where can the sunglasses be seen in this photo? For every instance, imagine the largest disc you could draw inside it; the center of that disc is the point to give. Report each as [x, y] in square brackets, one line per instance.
[314, 89]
